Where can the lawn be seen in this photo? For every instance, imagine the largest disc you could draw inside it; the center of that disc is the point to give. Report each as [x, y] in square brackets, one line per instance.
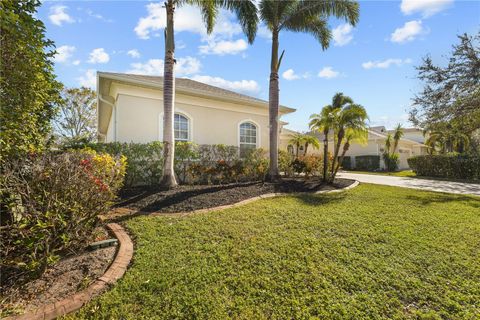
[403, 173]
[369, 253]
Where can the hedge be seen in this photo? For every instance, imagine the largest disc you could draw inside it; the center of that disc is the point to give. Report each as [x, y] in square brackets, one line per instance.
[446, 166]
[346, 163]
[367, 163]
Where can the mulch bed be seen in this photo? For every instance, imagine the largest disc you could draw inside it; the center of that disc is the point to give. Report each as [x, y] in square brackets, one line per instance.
[65, 278]
[188, 198]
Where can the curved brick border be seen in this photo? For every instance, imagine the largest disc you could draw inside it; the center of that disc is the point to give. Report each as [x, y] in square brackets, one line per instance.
[73, 303]
[243, 202]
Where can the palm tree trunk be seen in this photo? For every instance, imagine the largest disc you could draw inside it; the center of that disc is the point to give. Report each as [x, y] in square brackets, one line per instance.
[346, 146]
[325, 155]
[340, 136]
[306, 147]
[273, 102]
[168, 178]
[297, 149]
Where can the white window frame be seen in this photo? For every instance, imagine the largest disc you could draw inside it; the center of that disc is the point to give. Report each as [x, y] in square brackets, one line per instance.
[182, 113]
[257, 126]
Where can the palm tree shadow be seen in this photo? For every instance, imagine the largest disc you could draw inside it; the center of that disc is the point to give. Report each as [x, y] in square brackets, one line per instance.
[445, 198]
[312, 199]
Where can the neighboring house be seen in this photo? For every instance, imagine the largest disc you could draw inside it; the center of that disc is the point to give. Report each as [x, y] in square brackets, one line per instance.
[407, 147]
[130, 109]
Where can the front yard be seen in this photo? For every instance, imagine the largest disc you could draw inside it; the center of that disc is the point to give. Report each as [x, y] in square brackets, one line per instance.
[371, 252]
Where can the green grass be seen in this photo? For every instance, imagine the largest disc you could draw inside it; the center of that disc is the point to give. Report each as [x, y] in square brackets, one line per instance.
[403, 173]
[373, 252]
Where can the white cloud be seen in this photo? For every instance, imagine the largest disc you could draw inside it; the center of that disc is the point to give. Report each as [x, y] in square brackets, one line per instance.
[89, 79]
[426, 7]
[187, 18]
[134, 53]
[58, 15]
[328, 73]
[99, 56]
[76, 62]
[154, 67]
[64, 53]
[290, 75]
[342, 34]
[242, 86]
[223, 47]
[264, 32]
[408, 32]
[390, 121]
[385, 63]
[98, 16]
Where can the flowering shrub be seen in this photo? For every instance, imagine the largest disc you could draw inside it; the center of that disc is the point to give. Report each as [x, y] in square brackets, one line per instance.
[309, 165]
[50, 203]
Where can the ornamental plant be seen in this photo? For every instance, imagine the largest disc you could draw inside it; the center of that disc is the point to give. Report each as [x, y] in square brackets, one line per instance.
[50, 203]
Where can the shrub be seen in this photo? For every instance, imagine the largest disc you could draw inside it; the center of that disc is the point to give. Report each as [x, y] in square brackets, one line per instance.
[285, 160]
[346, 163]
[255, 165]
[391, 161]
[367, 163]
[309, 165]
[446, 166]
[50, 203]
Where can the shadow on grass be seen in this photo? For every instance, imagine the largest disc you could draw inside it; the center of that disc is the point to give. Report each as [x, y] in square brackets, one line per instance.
[445, 198]
[320, 199]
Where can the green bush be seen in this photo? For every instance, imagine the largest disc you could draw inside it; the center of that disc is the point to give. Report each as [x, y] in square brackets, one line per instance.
[367, 163]
[309, 165]
[446, 166]
[285, 160]
[391, 161]
[49, 205]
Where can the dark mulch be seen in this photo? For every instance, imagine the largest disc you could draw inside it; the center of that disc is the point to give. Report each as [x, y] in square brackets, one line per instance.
[65, 278]
[188, 198]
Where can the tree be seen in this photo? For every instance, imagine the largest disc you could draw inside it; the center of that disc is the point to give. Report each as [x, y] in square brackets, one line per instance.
[447, 140]
[76, 121]
[351, 118]
[451, 94]
[391, 159]
[247, 14]
[324, 122]
[297, 139]
[28, 89]
[397, 135]
[358, 135]
[310, 141]
[297, 16]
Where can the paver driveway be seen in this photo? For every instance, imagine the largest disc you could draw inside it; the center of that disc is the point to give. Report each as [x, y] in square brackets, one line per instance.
[415, 183]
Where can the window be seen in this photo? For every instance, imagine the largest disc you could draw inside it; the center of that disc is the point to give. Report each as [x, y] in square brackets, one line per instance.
[290, 149]
[248, 138]
[180, 127]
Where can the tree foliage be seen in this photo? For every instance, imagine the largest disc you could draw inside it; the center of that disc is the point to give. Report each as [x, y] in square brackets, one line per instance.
[28, 89]
[76, 120]
[451, 94]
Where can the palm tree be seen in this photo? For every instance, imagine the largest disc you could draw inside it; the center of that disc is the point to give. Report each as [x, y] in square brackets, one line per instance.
[351, 117]
[324, 121]
[397, 135]
[358, 135]
[297, 139]
[388, 143]
[297, 16]
[310, 141]
[246, 12]
[448, 141]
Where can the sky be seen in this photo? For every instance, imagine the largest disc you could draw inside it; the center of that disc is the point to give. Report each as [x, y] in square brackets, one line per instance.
[373, 62]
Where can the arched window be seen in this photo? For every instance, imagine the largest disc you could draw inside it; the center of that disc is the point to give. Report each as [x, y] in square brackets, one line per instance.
[248, 138]
[181, 127]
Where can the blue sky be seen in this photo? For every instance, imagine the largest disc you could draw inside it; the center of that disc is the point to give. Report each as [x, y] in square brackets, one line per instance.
[374, 62]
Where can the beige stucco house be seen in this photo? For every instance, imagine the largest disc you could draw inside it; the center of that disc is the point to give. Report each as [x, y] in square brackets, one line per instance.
[130, 109]
[410, 145]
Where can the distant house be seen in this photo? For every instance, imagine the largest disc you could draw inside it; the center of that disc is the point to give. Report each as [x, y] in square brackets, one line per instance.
[410, 145]
[130, 109]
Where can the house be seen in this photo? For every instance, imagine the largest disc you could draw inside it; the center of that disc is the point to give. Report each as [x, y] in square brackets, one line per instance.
[130, 109]
[410, 145]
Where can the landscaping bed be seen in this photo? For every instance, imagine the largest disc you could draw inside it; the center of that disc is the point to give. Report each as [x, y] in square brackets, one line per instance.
[68, 276]
[188, 198]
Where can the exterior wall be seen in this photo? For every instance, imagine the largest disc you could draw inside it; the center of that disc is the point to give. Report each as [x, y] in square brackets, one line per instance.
[139, 117]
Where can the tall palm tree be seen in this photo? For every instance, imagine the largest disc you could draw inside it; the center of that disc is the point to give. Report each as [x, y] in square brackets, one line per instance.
[448, 141]
[297, 16]
[246, 12]
[358, 135]
[351, 117]
[297, 139]
[310, 141]
[397, 135]
[388, 143]
[324, 122]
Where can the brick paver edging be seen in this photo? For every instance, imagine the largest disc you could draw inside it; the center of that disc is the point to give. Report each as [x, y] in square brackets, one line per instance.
[243, 202]
[73, 303]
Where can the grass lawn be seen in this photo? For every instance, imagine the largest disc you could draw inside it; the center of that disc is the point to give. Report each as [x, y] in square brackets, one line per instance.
[403, 173]
[369, 253]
